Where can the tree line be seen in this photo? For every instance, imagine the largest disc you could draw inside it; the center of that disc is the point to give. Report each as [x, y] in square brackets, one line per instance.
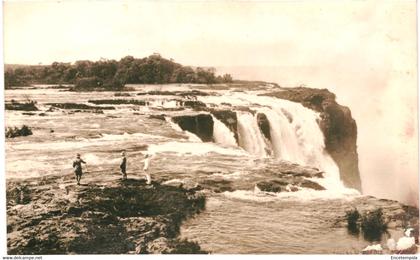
[111, 74]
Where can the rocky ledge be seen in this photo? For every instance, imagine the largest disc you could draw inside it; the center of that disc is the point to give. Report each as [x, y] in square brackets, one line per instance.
[51, 215]
[396, 215]
[278, 177]
[289, 177]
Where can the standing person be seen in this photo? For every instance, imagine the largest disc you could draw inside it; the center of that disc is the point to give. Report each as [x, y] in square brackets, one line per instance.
[77, 166]
[123, 165]
[147, 158]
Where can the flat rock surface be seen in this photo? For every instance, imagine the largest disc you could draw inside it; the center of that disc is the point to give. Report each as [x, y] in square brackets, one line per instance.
[104, 215]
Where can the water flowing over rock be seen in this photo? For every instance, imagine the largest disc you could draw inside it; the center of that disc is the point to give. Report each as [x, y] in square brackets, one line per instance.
[271, 127]
[229, 118]
[221, 134]
[288, 185]
[193, 93]
[265, 163]
[250, 137]
[337, 125]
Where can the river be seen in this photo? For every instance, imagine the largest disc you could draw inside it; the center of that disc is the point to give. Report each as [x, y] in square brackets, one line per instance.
[239, 218]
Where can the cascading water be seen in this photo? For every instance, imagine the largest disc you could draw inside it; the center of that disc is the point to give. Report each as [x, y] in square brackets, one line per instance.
[250, 137]
[294, 134]
[221, 134]
[300, 140]
[296, 137]
[284, 140]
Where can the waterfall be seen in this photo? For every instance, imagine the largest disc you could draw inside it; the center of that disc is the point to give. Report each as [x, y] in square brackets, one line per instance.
[221, 134]
[250, 137]
[294, 134]
[284, 140]
[296, 137]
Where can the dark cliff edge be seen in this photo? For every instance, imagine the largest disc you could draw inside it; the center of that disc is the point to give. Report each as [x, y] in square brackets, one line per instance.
[51, 215]
[201, 125]
[337, 125]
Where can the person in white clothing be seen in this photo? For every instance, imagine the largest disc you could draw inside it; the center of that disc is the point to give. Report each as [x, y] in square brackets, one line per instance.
[147, 158]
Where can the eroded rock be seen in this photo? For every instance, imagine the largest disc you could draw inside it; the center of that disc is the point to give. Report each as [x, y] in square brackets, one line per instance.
[200, 125]
[264, 125]
[28, 105]
[116, 218]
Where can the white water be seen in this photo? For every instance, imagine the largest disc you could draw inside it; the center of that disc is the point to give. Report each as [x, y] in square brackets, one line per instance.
[162, 103]
[303, 194]
[294, 133]
[193, 149]
[221, 134]
[300, 140]
[283, 137]
[250, 137]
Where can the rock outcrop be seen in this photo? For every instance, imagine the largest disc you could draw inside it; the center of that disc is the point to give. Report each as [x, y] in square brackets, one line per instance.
[264, 125]
[118, 102]
[189, 93]
[289, 178]
[28, 105]
[79, 106]
[396, 215]
[12, 132]
[54, 216]
[200, 125]
[336, 123]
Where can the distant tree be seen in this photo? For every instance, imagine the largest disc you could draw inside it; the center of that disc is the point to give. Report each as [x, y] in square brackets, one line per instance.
[111, 74]
[13, 78]
[182, 75]
[83, 68]
[227, 78]
[204, 76]
[88, 83]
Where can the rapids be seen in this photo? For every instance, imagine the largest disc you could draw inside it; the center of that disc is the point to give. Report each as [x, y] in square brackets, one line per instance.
[239, 218]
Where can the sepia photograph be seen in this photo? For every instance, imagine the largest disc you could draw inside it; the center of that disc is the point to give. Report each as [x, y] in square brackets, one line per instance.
[210, 127]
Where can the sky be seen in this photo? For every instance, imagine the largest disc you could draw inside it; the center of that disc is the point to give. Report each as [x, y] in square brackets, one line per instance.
[363, 51]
